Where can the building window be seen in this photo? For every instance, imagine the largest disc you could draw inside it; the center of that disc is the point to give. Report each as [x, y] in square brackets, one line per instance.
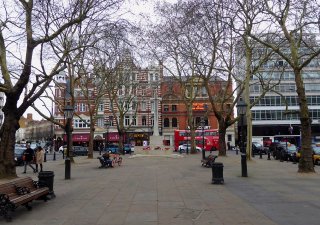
[143, 90]
[127, 106]
[204, 92]
[229, 137]
[134, 121]
[81, 123]
[82, 107]
[151, 77]
[100, 122]
[152, 105]
[174, 108]
[144, 120]
[143, 106]
[174, 122]
[166, 122]
[127, 121]
[100, 107]
[166, 108]
[120, 92]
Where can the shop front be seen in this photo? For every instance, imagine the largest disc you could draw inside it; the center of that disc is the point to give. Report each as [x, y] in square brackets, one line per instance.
[138, 138]
[79, 139]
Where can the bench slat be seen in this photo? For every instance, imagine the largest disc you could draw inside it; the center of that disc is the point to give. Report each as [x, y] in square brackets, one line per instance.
[14, 199]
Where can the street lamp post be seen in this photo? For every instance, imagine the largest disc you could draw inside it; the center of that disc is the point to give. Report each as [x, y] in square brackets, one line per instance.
[202, 122]
[242, 108]
[68, 112]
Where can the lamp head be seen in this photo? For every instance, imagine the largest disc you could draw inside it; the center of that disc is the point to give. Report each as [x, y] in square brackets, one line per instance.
[241, 107]
[68, 111]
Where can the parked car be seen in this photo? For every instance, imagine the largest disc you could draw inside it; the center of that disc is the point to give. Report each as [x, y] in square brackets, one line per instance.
[276, 147]
[257, 147]
[112, 148]
[80, 151]
[187, 148]
[128, 148]
[316, 154]
[273, 147]
[291, 152]
[285, 151]
[18, 153]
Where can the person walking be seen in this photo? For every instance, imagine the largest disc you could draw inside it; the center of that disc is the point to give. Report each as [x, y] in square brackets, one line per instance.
[39, 158]
[28, 156]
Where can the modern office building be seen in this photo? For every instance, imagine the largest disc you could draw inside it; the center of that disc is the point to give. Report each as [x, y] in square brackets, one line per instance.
[270, 119]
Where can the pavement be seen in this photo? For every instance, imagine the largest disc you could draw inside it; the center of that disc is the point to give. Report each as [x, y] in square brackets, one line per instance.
[159, 188]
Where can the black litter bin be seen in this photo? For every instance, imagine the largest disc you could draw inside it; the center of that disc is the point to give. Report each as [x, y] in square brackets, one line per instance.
[217, 173]
[46, 178]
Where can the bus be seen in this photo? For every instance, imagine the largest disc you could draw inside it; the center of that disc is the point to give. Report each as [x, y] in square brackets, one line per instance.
[211, 138]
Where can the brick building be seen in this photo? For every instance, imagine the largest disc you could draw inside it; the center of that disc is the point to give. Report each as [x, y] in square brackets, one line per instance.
[143, 115]
[174, 110]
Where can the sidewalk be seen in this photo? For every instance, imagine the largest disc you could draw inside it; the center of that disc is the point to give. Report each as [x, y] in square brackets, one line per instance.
[161, 189]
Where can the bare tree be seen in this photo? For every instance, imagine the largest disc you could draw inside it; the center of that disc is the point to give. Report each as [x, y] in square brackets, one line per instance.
[28, 30]
[195, 41]
[290, 28]
[121, 90]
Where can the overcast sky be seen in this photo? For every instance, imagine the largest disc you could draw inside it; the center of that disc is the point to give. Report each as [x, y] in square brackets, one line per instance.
[136, 11]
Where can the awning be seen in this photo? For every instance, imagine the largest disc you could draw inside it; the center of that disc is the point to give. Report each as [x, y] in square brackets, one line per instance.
[78, 137]
[113, 136]
[98, 137]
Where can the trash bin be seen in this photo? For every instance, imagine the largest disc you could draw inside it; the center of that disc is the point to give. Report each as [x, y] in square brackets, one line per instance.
[217, 173]
[46, 178]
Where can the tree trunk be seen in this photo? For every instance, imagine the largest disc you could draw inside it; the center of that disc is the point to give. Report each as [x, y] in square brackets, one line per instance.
[8, 138]
[306, 161]
[121, 139]
[90, 150]
[222, 138]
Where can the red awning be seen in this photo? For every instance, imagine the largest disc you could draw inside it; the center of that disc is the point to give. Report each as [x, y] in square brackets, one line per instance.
[113, 136]
[78, 137]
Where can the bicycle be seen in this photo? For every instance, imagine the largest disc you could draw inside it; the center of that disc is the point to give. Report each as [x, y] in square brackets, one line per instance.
[116, 159]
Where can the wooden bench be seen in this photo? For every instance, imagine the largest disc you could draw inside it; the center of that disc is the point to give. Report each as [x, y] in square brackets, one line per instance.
[20, 192]
[208, 161]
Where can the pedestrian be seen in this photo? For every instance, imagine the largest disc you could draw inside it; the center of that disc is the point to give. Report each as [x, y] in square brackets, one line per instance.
[28, 157]
[39, 158]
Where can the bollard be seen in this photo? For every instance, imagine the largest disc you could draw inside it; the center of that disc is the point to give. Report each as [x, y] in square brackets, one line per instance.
[45, 157]
[236, 151]
[54, 156]
[269, 155]
[294, 159]
[62, 154]
[260, 152]
[244, 165]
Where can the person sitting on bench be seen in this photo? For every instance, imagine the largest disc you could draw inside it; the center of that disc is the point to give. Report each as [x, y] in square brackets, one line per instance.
[106, 160]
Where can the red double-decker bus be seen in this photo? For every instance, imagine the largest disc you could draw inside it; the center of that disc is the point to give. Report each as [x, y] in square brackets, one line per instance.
[210, 137]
